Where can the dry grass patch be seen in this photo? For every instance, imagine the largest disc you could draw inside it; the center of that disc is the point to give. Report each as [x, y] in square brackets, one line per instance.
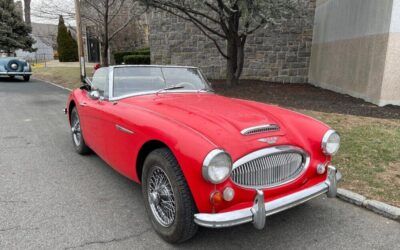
[65, 76]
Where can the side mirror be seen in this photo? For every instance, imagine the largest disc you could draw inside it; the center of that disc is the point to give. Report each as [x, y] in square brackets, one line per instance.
[86, 84]
[94, 95]
[87, 81]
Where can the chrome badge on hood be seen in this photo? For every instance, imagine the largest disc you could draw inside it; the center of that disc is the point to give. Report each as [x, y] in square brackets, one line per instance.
[269, 140]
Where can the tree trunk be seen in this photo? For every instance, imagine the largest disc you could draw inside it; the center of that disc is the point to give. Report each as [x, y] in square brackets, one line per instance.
[240, 57]
[104, 53]
[231, 62]
[105, 39]
[27, 11]
[235, 60]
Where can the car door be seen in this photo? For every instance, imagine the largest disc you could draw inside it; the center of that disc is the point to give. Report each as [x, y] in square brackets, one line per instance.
[123, 140]
[94, 113]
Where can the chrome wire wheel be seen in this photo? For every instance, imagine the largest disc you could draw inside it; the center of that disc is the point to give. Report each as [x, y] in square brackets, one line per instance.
[161, 197]
[76, 129]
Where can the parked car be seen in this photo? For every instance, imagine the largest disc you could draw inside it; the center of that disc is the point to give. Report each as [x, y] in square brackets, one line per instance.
[12, 67]
[202, 159]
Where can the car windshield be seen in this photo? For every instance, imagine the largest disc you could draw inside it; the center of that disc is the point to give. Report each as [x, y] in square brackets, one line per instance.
[131, 80]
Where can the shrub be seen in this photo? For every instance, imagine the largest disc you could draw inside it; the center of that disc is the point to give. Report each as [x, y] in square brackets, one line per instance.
[137, 59]
[143, 50]
[119, 56]
[67, 47]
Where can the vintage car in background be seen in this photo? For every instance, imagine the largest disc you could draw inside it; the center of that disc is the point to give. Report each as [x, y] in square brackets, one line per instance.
[202, 159]
[12, 67]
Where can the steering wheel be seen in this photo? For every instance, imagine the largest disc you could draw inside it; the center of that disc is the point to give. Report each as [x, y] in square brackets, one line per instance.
[186, 85]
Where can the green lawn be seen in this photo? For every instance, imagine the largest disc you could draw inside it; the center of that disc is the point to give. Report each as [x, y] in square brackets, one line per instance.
[369, 157]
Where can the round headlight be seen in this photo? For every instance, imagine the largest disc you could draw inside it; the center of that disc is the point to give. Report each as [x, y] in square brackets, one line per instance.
[14, 66]
[217, 166]
[330, 142]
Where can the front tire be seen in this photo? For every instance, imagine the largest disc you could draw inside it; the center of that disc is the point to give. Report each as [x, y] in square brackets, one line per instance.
[77, 135]
[27, 78]
[167, 197]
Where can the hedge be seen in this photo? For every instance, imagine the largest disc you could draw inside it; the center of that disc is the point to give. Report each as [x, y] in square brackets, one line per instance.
[137, 59]
[143, 50]
[119, 56]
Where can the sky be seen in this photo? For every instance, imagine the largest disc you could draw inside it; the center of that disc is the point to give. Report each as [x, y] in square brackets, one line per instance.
[37, 5]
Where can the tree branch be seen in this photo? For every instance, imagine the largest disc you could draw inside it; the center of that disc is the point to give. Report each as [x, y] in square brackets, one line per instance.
[201, 29]
[116, 12]
[122, 27]
[191, 19]
[94, 6]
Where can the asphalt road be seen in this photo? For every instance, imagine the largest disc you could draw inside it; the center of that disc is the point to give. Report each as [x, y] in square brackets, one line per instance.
[53, 198]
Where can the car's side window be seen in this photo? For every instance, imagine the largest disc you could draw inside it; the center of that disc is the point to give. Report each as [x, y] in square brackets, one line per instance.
[100, 81]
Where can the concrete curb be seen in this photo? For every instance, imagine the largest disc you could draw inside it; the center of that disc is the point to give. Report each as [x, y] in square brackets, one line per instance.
[378, 207]
[52, 83]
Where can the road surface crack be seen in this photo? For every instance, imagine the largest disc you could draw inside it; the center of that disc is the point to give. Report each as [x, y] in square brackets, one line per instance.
[8, 229]
[18, 228]
[109, 241]
[12, 201]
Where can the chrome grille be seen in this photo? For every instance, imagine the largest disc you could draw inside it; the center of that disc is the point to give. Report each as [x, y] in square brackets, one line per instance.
[260, 129]
[272, 167]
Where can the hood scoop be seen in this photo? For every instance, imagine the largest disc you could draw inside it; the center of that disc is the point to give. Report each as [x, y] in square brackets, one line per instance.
[260, 129]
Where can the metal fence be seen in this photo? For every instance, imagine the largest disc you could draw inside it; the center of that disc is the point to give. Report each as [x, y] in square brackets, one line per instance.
[38, 58]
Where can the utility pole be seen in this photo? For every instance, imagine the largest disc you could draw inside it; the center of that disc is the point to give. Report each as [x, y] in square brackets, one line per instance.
[79, 38]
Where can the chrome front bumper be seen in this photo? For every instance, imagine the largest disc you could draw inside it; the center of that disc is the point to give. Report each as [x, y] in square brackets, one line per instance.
[257, 213]
[16, 73]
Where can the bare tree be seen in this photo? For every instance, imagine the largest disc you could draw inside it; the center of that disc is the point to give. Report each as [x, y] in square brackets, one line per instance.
[231, 21]
[52, 9]
[103, 15]
[27, 11]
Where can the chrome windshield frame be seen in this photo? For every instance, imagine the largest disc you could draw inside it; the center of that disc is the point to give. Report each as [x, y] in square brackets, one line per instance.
[111, 82]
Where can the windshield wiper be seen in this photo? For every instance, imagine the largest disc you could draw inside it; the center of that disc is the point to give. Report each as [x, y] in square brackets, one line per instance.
[173, 87]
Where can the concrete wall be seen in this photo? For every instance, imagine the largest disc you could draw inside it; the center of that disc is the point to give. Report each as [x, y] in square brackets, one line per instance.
[353, 49]
[391, 81]
[279, 54]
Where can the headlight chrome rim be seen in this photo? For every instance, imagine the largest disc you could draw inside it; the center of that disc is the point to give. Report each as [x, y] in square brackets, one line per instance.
[206, 163]
[14, 66]
[325, 140]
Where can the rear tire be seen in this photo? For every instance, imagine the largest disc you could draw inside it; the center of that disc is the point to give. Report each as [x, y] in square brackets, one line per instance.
[27, 78]
[168, 200]
[77, 134]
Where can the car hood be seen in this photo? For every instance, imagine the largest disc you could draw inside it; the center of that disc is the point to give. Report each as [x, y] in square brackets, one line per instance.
[220, 119]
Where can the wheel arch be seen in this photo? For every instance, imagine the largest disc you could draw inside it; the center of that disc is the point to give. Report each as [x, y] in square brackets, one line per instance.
[70, 107]
[144, 151]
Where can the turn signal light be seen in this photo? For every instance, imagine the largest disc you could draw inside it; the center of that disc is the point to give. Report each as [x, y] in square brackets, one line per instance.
[216, 198]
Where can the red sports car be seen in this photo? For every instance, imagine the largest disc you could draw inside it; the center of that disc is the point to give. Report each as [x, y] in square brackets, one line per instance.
[202, 159]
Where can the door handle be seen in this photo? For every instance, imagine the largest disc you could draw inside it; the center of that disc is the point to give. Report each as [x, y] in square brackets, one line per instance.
[122, 129]
[83, 104]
